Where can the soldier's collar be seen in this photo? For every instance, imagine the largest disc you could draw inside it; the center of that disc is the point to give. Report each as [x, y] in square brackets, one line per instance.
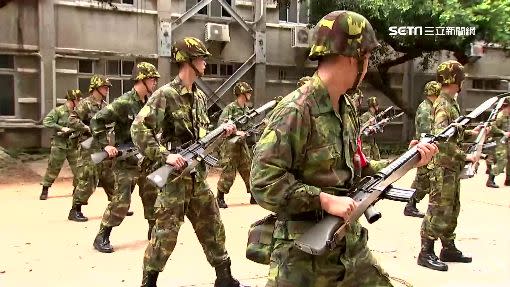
[177, 82]
[135, 96]
[321, 95]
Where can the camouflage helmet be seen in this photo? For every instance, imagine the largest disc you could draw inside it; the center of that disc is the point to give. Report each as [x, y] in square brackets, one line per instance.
[187, 49]
[303, 81]
[506, 102]
[343, 33]
[357, 96]
[432, 88]
[144, 70]
[241, 88]
[98, 81]
[450, 72]
[73, 95]
[372, 102]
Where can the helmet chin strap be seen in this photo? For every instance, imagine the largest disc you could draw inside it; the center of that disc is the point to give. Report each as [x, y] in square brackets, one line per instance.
[197, 73]
[354, 87]
[149, 92]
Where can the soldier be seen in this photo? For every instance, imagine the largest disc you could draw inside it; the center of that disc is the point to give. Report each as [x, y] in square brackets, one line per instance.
[62, 147]
[370, 148]
[304, 162]
[122, 112]
[89, 174]
[303, 81]
[235, 156]
[444, 201]
[357, 99]
[179, 110]
[423, 125]
[500, 129]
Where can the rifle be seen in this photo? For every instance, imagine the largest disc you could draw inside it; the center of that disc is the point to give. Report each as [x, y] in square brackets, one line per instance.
[330, 230]
[470, 168]
[61, 133]
[124, 152]
[378, 127]
[376, 117]
[86, 144]
[199, 150]
[249, 132]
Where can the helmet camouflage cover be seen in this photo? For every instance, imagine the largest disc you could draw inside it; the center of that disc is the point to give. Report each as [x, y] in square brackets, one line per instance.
[450, 72]
[144, 70]
[303, 81]
[432, 88]
[357, 96]
[187, 49]
[372, 102]
[241, 88]
[343, 33]
[73, 95]
[98, 81]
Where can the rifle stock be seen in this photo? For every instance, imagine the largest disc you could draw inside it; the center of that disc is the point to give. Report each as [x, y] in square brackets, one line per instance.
[86, 144]
[123, 151]
[326, 234]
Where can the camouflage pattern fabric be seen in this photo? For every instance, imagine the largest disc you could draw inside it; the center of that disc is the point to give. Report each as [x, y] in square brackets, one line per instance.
[98, 81]
[423, 122]
[73, 95]
[144, 70]
[234, 156]
[242, 88]
[62, 147]
[122, 111]
[370, 148]
[357, 99]
[306, 149]
[89, 174]
[432, 88]
[372, 102]
[502, 124]
[450, 72]
[187, 49]
[303, 81]
[181, 116]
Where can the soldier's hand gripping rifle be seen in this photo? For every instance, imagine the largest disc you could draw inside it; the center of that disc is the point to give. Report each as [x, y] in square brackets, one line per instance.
[375, 118]
[378, 126]
[198, 150]
[326, 234]
[124, 151]
[251, 131]
[475, 150]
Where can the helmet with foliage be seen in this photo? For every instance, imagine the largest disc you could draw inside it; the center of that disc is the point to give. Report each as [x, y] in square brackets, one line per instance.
[450, 72]
[187, 49]
[372, 102]
[343, 33]
[303, 81]
[432, 88]
[73, 95]
[144, 70]
[98, 81]
[242, 88]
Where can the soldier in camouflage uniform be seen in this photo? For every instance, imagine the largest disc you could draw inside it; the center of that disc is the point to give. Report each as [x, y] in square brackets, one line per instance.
[444, 198]
[62, 147]
[306, 159]
[423, 125]
[127, 174]
[370, 148]
[89, 174]
[235, 155]
[500, 129]
[303, 81]
[179, 111]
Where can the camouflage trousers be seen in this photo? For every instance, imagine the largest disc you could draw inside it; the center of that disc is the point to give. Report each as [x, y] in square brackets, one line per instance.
[371, 150]
[500, 159]
[444, 205]
[58, 154]
[194, 199]
[421, 183]
[349, 264]
[89, 175]
[239, 161]
[126, 177]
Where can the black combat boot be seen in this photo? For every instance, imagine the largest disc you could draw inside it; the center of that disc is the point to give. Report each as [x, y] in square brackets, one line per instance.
[149, 278]
[76, 215]
[224, 277]
[252, 200]
[102, 240]
[151, 226]
[44, 193]
[488, 170]
[507, 181]
[411, 210]
[427, 257]
[450, 253]
[490, 182]
[130, 213]
[221, 200]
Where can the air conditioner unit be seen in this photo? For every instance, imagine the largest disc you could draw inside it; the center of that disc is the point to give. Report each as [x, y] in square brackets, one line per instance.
[300, 37]
[217, 32]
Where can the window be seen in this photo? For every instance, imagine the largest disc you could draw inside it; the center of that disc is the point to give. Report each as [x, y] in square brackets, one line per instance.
[224, 12]
[492, 84]
[214, 9]
[127, 67]
[220, 70]
[6, 95]
[487, 84]
[282, 74]
[127, 85]
[83, 85]
[6, 62]
[128, 2]
[85, 66]
[296, 12]
[113, 67]
[115, 90]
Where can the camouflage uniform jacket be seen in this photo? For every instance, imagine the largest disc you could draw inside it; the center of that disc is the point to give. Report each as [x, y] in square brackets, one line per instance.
[179, 114]
[365, 117]
[307, 148]
[423, 120]
[56, 119]
[233, 111]
[501, 125]
[122, 111]
[79, 119]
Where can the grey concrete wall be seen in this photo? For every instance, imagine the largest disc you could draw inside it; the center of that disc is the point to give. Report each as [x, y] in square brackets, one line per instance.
[19, 23]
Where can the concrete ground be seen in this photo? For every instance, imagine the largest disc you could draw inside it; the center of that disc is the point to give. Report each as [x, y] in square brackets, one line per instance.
[40, 247]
